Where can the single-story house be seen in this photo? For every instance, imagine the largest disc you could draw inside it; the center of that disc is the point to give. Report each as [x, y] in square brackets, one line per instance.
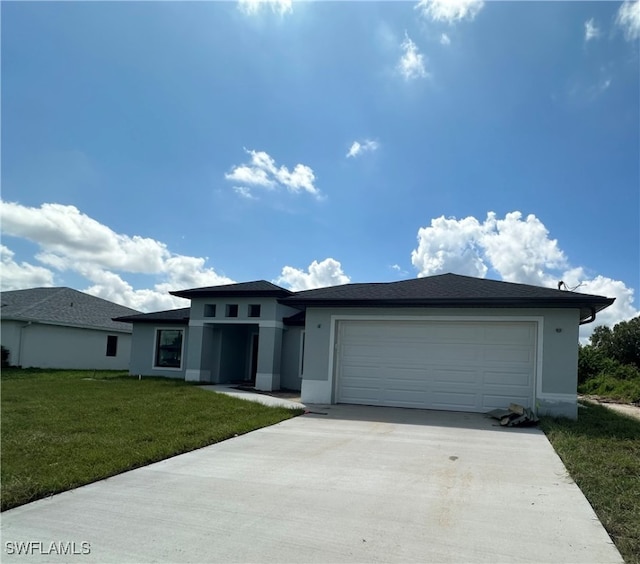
[442, 342]
[64, 328]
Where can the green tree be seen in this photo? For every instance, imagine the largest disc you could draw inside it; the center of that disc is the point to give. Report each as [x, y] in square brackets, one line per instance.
[622, 343]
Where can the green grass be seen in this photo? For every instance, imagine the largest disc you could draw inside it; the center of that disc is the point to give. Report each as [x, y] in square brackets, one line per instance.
[601, 450]
[63, 429]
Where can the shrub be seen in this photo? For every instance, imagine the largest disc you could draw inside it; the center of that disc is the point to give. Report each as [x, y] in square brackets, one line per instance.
[4, 355]
[617, 389]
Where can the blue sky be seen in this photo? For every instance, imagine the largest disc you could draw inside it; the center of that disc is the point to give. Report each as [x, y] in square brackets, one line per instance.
[159, 145]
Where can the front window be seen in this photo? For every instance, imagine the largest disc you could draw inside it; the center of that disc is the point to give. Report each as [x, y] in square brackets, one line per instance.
[168, 348]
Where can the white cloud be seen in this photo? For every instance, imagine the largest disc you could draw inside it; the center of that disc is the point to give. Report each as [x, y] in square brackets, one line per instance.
[357, 148]
[411, 64]
[24, 275]
[445, 40]
[244, 192]
[450, 11]
[252, 7]
[110, 286]
[71, 240]
[628, 18]
[66, 235]
[621, 310]
[518, 249]
[262, 171]
[591, 30]
[449, 245]
[320, 274]
[398, 270]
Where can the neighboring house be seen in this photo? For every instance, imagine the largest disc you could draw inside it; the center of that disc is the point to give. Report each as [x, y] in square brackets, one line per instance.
[442, 342]
[64, 328]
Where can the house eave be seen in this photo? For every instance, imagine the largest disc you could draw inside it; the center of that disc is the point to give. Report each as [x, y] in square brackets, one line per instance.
[126, 330]
[585, 306]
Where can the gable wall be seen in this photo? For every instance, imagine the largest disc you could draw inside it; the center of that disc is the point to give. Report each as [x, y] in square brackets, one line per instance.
[270, 310]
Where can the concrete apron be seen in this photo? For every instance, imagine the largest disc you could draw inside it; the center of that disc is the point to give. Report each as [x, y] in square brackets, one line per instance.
[356, 484]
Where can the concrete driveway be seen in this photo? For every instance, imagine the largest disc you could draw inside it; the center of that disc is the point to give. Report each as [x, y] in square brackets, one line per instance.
[345, 484]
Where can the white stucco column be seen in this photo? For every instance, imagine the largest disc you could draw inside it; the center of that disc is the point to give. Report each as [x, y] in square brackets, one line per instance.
[269, 352]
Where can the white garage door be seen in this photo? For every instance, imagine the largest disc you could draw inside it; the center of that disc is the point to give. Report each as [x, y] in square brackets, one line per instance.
[460, 366]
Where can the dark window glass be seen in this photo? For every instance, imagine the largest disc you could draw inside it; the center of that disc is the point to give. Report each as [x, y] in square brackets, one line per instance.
[254, 310]
[112, 345]
[210, 310]
[232, 310]
[169, 348]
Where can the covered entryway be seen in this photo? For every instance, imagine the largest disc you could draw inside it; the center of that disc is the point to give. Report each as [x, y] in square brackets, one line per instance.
[454, 365]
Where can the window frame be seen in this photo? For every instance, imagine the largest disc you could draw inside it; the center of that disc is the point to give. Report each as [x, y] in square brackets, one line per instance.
[231, 309]
[302, 344]
[112, 346]
[157, 335]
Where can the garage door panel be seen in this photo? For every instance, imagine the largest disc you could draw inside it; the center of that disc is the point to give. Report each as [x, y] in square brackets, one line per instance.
[468, 366]
[445, 352]
[507, 379]
[508, 333]
[404, 377]
[450, 376]
[507, 354]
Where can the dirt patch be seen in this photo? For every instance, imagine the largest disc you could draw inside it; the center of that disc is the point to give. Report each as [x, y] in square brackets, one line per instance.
[625, 408]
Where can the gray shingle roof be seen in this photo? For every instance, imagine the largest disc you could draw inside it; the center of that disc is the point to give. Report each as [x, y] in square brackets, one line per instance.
[446, 290]
[180, 316]
[63, 306]
[258, 288]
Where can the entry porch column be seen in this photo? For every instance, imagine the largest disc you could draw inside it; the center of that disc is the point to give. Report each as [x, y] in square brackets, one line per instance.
[198, 367]
[269, 351]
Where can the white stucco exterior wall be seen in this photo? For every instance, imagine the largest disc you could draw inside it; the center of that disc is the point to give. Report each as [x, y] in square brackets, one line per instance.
[38, 345]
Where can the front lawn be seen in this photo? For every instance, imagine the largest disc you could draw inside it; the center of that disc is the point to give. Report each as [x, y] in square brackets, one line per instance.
[601, 450]
[63, 429]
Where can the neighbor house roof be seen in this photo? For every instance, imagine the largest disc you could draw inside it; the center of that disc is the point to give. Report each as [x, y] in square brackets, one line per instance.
[448, 290]
[179, 316]
[63, 306]
[258, 289]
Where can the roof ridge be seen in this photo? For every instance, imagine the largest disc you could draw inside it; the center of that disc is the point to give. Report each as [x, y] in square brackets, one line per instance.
[55, 290]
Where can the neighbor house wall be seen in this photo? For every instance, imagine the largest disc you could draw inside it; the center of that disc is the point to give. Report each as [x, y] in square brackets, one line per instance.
[555, 392]
[39, 345]
[290, 360]
[143, 351]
